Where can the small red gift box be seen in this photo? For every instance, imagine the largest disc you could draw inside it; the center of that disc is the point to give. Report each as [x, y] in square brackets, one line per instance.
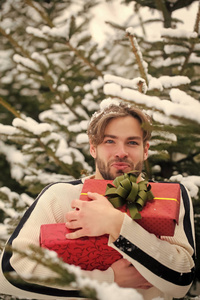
[159, 216]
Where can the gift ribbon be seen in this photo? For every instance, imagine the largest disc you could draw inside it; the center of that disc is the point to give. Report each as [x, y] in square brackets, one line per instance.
[125, 190]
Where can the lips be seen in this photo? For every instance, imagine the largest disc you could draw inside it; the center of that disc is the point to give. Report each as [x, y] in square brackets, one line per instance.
[120, 165]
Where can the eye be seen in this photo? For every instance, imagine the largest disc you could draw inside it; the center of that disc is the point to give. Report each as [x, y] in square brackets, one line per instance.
[133, 143]
[109, 141]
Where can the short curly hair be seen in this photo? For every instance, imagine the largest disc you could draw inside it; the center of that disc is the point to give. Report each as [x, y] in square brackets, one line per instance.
[101, 118]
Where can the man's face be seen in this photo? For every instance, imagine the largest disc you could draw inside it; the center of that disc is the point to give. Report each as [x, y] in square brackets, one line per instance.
[122, 149]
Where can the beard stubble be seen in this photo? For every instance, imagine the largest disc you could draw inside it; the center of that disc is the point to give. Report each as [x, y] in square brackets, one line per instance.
[108, 175]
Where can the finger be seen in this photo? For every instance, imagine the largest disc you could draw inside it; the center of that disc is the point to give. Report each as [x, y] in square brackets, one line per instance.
[122, 263]
[72, 225]
[71, 216]
[94, 196]
[75, 235]
[145, 286]
[76, 203]
[126, 263]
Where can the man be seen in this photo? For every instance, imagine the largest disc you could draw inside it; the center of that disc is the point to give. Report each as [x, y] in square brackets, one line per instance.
[157, 267]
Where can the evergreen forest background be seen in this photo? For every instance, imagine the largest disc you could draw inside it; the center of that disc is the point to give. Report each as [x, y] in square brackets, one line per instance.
[55, 70]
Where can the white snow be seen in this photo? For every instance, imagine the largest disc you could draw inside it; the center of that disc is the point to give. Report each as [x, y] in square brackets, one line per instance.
[32, 126]
[89, 104]
[40, 58]
[57, 32]
[15, 158]
[175, 61]
[178, 33]
[166, 82]
[104, 290]
[130, 83]
[108, 102]
[35, 31]
[194, 59]
[169, 49]
[178, 96]
[83, 125]
[167, 107]
[155, 84]
[171, 81]
[192, 183]
[82, 138]
[7, 129]
[63, 88]
[94, 85]
[45, 178]
[164, 134]
[26, 62]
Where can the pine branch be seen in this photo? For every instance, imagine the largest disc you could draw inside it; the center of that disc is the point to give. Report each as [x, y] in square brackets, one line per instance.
[197, 22]
[189, 157]
[137, 11]
[140, 86]
[10, 108]
[51, 154]
[66, 274]
[14, 43]
[41, 13]
[62, 101]
[166, 13]
[191, 49]
[138, 56]
[178, 4]
[85, 60]
[78, 54]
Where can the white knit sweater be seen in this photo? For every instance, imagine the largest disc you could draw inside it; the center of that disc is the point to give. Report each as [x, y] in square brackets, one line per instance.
[166, 262]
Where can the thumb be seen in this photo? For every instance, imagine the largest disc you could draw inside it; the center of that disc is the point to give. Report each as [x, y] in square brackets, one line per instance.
[96, 196]
[92, 196]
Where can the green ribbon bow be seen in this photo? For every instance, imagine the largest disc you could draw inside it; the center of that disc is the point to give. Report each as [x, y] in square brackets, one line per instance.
[127, 191]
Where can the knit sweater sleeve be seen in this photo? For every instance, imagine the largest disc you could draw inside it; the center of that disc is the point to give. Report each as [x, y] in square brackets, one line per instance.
[166, 262]
[50, 207]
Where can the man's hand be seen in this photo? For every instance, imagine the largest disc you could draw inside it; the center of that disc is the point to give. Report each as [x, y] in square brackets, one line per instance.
[94, 218]
[127, 276]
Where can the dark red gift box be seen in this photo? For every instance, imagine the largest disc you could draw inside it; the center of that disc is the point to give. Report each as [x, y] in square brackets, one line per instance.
[159, 216]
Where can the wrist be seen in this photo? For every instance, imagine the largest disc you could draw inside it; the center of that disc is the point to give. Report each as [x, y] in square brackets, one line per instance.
[116, 223]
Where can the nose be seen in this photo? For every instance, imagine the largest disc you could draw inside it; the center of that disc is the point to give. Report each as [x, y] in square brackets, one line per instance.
[121, 152]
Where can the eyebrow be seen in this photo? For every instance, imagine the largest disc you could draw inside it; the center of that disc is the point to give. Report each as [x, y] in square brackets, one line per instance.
[129, 138]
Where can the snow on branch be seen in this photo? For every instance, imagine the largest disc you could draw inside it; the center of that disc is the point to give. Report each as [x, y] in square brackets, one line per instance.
[26, 62]
[58, 32]
[32, 126]
[7, 130]
[166, 82]
[143, 66]
[36, 32]
[71, 276]
[44, 178]
[167, 107]
[178, 33]
[40, 58]
[12, 203]
[178, 96]
[191, 182]
[16, 159]
[130, 83]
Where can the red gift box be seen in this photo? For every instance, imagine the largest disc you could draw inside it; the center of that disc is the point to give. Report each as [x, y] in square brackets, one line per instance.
[159, 216]
[88, 253]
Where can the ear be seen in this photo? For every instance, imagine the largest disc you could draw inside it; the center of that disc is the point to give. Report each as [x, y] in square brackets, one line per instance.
[93, 150]
[146, 148]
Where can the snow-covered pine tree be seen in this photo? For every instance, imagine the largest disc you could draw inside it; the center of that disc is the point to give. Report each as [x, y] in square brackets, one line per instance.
[53, 77]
